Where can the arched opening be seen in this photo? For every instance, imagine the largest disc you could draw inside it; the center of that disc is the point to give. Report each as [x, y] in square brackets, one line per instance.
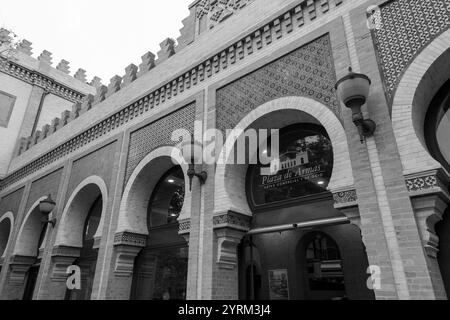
[80, 230]
[89, 253]
[437, 133]
[6, 225]
[30, 243]
[274, 267]
[160, 269]
[437, 126]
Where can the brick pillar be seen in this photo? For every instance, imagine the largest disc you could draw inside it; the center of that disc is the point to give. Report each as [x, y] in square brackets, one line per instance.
[229, 230]
[54, 285]
[126, 248]
[388, 223]
[14, 286]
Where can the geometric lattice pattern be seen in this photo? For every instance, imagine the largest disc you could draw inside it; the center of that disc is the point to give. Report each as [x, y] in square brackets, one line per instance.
[422, 183]
[308, 71]
[407, 27]
[158, 134]
[345, 197]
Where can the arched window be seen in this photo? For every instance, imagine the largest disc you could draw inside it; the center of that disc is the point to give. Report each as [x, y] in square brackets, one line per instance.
[305, 168]
[324, 266]
[161, 268]
[167, 201]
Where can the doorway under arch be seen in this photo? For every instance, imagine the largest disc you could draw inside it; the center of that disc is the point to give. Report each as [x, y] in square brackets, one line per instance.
[160, 271]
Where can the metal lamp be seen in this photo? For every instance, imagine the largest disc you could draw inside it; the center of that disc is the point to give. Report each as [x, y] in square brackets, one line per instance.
[353, 90]
[192, 152]
[46, 206]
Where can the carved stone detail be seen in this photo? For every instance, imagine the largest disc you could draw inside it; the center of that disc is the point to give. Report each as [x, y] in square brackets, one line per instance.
[19, 266]
[428, 211]
[230, 228]
[124, 261]
[232, 220]
[62, 258]
[227, 240]
[130, 239]
[345, 198]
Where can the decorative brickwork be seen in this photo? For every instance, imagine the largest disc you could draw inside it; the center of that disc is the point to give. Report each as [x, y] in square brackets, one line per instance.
[184, 226]
[130, 239]
[217, 11]
[427, 181]
[232, 220]
[308, 71]
[408, 26]
[345, 197]
[35, 78]
[158, 134]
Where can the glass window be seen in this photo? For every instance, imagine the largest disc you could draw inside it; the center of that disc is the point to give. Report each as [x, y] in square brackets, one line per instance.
[162, 274]
[306, 163]
[88, 256]
[167, 200]
[324, 265]
[93, 219]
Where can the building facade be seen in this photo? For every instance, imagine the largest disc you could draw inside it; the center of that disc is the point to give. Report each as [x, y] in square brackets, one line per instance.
[337, 210]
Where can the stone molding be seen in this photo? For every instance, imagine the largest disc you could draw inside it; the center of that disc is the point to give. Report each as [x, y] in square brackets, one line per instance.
[230, 228]
[124, 260]
[19, 266]
[232, 220]
[227, 241]
[127, 246]
[130, 239]
[345, 198]
[62, 258]
[430, 197]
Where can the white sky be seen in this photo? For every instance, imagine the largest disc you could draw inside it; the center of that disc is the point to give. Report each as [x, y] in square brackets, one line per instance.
[100, 36]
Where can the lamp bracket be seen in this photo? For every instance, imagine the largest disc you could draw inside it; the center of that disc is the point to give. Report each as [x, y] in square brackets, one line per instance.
[52, 222]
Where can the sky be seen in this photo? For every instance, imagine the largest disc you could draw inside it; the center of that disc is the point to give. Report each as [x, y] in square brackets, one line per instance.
[100, 36]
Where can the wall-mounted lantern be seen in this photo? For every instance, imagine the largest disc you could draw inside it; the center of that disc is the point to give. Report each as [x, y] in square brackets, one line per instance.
[353, 90]
[192, 153]
[46, 206]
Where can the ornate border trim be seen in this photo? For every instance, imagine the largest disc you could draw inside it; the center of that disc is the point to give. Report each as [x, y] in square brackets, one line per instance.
[435, 181]
[346, 198]
[130, 239]
[35, 78]
[232, 220]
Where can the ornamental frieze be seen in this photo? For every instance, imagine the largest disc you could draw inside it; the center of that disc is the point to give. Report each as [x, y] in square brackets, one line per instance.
[35, 78]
